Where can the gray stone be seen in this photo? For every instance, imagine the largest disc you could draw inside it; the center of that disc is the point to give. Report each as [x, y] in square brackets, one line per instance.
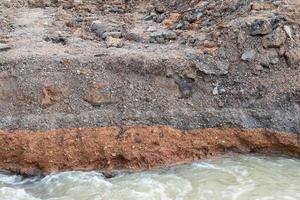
[268, 58]
[4, 47]
[260, 27]
[248, 55]
[100, 27]
[114, 42]
[162, 36]
[149, 16]
[114, 34]
[209, 65]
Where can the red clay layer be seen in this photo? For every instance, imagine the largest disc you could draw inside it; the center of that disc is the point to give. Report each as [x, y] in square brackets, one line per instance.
[131, 148]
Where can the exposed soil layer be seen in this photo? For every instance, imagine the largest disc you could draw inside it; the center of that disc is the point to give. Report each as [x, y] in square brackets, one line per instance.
[185, 64]
[132, 148]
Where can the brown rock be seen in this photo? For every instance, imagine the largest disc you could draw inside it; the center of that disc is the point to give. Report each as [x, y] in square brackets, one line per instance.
[53, 93]
[275, 39]
[99, 94]
[171, 20]
[293, 57]
[208, 44]
[114, 42]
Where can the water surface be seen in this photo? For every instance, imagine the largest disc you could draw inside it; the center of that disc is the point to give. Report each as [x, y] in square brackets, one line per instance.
[238, 177]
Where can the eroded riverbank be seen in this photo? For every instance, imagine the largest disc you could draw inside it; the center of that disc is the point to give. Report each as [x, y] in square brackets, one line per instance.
[132, 148]
[239, 177]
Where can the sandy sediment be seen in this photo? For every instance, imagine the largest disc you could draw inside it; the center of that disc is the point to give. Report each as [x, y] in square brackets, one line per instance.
[132, 148]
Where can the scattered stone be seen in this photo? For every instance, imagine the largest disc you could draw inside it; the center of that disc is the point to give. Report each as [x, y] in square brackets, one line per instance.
[100, 27]
[117, 10]
[162, 36]
[53, 93]
[182, 25]
[185, 86]
[99, 94]
[208, 44]
[293, 57]
[249, 55]
[171, 20]
[114, 42]
[268, 58]
[149, 16]
[192, 17]
[160, 8]
[288, 31]
[260, 27]
[159, 18]
[209, 65]
[275, 39]
[215, 90]
[4, 47]
[114, 34]
[56, 38]
[170, 35]
[132, 36]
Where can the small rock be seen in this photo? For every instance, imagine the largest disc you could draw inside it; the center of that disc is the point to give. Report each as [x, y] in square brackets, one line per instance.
[100, 27]
[268, 58]
[191, 17]
[4, 47]
[159, 7]
[113, 34]
[182, 25]
[185, 86]
[117, 10]
[293, 57]
[170, 35]
[215, 90]
[149, 16]
[260, 27]
[99, 94]
[114, 42]
[132, 36]
[159, 18]
[288, 31]
[249, 55]
[208, 44]
[56, 38]
[157, 37]
[275, 39]
[210, 65]
[161, 36]
[53, 93]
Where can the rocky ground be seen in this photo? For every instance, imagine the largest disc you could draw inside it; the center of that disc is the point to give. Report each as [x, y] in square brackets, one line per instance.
[186, 64]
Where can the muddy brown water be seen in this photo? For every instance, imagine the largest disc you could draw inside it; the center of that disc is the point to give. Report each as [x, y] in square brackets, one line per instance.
[240, 177]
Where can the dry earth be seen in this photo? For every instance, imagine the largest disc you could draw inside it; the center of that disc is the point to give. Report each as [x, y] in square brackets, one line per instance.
[69, 64]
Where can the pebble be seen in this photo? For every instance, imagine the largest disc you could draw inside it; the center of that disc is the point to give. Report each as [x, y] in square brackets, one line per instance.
[288, 31]
[114, 42]
[248, 55]
[4, 47]
[161, 36]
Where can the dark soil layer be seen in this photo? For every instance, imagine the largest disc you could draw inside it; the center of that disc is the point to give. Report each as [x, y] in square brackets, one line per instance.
[132, 148]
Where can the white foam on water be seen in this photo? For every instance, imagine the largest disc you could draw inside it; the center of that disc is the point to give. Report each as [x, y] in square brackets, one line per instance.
[233, 178]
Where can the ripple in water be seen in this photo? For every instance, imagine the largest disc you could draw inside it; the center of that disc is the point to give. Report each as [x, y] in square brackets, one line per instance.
[241, 177]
